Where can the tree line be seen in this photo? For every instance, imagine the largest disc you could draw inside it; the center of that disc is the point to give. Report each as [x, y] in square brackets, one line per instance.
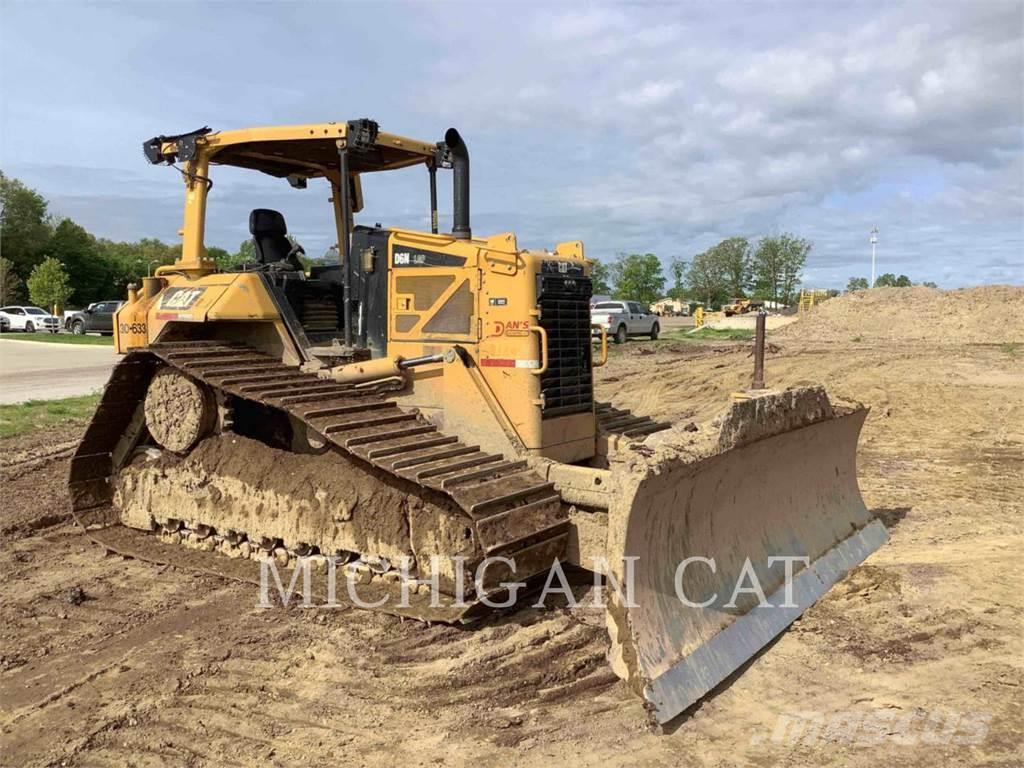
[51, 260]
[733, 268]
[71, 266]
[888, 280]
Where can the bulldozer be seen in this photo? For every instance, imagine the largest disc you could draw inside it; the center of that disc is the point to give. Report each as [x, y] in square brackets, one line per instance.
[741, 306]
[425, 404]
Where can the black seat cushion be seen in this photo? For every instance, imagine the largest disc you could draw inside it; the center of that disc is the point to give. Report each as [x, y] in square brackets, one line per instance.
[269, 234]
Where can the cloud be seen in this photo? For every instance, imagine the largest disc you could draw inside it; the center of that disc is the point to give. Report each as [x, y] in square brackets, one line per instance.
[633, 127]
[649, 94]
[781, 74]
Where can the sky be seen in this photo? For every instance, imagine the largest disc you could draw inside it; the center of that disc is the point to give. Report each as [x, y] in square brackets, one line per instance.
[643, 127]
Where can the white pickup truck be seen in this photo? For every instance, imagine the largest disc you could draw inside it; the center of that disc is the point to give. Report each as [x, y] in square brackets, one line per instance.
[622, 319]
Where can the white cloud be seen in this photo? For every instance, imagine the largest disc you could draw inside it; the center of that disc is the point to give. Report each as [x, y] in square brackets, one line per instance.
[898, 104]
[634, 127]
[649, 94]
[782, 73]
[579, 24]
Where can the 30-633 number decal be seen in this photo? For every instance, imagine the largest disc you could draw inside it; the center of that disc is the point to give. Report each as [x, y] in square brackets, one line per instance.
[128, 328]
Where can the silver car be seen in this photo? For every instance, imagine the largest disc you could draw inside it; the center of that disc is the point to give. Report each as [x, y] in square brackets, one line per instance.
[622, 319]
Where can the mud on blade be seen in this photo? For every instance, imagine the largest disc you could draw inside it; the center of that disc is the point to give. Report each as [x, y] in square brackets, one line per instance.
[779, 481]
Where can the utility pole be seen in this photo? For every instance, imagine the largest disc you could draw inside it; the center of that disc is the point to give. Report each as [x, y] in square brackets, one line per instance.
[874, 239]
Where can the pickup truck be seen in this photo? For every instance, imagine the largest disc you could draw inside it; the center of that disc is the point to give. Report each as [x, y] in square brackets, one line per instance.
[97, 318]
[622, 319]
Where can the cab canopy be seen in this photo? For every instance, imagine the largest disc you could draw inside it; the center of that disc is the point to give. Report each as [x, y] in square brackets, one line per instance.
[305, 151]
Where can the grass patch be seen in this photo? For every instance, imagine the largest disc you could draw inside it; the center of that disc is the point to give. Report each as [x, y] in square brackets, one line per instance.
[709, 334]
[61, 338]
[1010, 348]
[37, 414]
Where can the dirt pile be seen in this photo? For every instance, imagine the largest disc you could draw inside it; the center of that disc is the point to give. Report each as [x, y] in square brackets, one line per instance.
[992, 314]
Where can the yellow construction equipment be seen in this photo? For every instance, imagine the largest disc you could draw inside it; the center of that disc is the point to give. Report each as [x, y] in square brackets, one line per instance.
[740, 306]
[424, 406]
[810, 298]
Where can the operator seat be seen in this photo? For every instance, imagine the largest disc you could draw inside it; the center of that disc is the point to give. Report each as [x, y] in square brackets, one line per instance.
[268, 231]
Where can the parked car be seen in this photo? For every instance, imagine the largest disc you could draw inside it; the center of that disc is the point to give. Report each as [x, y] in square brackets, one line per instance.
[5, 324]
[622, 319]
[97, 318]
[30, 319]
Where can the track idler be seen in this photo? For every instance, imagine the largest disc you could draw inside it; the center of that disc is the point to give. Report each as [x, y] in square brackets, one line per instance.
[179, 410]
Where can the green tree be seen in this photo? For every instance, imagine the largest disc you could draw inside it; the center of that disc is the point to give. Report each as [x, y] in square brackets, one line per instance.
[638, 277]
[929, 284]
[888, 280]
[857, 284]
[246, 253]
[10, 283]
[733, 259]
[24, 225]
[677, 268]
[49, 285]
[776, 265]
[903, 282]
[222, 257]
[599, 277]
[130, 262]
[91, 276]
[706, 279]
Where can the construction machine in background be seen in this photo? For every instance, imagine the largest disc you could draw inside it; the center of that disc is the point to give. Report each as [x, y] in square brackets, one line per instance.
[429, 400]
[741, 306]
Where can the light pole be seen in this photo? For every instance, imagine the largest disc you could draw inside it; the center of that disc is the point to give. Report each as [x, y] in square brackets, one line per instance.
[874, 239]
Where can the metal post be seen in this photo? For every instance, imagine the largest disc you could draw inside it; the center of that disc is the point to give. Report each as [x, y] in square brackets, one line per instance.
[433, 197]
[345, 246]
[759, 351]
[874, 239]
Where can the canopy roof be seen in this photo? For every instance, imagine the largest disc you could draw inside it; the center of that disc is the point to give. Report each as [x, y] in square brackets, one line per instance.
[306, 150]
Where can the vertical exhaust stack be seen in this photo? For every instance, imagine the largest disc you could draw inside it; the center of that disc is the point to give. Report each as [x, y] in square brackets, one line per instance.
[460, 184]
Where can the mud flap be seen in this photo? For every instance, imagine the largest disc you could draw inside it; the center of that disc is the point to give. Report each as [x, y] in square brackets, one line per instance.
[695, 524]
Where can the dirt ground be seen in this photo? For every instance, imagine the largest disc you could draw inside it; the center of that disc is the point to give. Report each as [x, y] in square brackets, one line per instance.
[115, 662]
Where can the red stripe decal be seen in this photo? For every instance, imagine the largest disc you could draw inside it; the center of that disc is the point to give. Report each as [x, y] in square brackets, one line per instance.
[496, 362]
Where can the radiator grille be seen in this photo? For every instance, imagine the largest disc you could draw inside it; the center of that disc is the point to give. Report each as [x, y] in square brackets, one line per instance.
[425, 289]
[455, 315]
[405, 323]
[568, 383]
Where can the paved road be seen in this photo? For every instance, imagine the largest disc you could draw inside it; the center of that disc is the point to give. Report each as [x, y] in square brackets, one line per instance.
[35, 370]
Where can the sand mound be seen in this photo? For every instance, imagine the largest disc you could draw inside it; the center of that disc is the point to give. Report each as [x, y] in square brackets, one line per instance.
[990, 314]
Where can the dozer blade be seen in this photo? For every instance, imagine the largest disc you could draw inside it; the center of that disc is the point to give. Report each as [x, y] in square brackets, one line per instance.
[778, 481]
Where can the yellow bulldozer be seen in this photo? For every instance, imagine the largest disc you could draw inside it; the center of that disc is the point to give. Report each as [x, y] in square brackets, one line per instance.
[426, 405]
[741, 306]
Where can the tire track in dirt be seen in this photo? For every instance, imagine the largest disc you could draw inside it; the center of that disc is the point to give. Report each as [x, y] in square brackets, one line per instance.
[930, 623]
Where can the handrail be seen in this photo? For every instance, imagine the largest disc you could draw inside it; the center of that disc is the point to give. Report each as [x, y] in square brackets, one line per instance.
[543, 350]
